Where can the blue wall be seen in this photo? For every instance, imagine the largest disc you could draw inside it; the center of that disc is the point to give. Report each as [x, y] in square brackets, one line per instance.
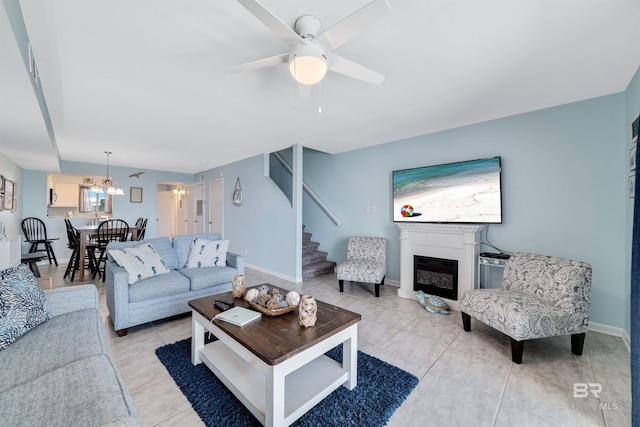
[34, 203]
[564, 189]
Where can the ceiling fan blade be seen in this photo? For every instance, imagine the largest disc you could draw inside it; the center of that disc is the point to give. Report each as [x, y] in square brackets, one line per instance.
[272, 22]
[349, 68]
[342, 31]
[260, 63]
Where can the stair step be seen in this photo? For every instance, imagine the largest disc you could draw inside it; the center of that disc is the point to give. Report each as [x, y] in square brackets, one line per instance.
[308, 247]
[306, 237]
[318, 269]
[313, 257]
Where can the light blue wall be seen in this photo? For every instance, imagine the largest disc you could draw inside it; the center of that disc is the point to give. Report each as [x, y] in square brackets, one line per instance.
[11, 220]
[564, 189]
[35, 200]
[632, 109]
[265, 223]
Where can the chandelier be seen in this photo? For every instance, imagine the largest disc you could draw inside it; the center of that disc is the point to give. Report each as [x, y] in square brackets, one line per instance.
[107, 185]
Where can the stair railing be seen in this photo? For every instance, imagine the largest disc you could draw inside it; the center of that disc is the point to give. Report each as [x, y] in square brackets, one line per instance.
[309, 191]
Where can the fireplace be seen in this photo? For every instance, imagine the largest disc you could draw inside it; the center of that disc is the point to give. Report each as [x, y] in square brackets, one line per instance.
[436, 276]
[460, 242]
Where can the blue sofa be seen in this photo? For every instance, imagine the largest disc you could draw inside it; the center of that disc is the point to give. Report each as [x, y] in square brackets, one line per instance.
[60, 372]
[167, 294]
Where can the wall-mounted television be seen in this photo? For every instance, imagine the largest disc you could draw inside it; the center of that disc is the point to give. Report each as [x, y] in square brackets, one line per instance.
[461, 192]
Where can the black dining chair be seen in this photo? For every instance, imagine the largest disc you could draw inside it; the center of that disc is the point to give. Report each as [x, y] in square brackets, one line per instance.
[35, 233]
[142, 230]
[74, 245]
[113, 230]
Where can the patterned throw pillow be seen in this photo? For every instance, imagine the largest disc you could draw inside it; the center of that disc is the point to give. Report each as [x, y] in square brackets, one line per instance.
[23, 305]
[207, 253]
[141, 262]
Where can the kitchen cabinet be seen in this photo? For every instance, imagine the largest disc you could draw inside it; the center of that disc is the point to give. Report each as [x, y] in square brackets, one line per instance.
[66, 195]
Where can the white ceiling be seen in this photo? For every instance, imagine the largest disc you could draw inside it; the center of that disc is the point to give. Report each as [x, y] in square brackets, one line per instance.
[146, 79]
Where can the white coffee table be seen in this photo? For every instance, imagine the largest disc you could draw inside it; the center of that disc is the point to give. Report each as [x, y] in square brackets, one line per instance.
[275, 367]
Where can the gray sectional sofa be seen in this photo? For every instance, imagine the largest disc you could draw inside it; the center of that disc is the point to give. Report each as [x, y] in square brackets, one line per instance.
[166, 294]
[60, 372]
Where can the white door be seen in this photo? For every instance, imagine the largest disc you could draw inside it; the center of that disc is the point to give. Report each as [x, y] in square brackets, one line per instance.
[164, 213]
[215, 207]
[198, 222]
[188, 210]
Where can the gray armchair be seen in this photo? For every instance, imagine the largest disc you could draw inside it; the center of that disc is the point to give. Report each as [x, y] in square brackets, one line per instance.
[366, 262]
[541, 296]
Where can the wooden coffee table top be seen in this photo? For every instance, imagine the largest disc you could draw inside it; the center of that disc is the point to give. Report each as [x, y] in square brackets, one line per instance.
[276, 339]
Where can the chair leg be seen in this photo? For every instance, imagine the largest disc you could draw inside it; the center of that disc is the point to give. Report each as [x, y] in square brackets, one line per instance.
[51, 254]
[516, 351]
[378, 286]
[341, 283]
[466, 321]
[577, 343]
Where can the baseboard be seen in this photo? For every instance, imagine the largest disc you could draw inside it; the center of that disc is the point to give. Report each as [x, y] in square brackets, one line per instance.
[273, 273]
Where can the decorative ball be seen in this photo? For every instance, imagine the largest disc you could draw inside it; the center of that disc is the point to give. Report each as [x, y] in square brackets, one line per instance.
[274, 291]
[263, 299]
[283, 304]
[406, 210]
[278, 297]
[273, 304]
[251, 294]
[293, 298]
[263, 287]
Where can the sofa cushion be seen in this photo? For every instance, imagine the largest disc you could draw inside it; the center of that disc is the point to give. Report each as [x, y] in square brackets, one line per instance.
[172, 283]
[208, 276]
[59, 341]
[162, 245]
[87, 392]
[182, 245]
[23, 305]
[141, 262]
[207, 253]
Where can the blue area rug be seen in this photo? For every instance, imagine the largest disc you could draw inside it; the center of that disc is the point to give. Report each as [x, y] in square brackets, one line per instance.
[381, 390]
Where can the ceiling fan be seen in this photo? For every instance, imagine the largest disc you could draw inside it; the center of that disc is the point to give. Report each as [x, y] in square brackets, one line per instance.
[310, 55]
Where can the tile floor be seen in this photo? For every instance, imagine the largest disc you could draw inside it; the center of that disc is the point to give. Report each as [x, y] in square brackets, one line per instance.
[466, 379]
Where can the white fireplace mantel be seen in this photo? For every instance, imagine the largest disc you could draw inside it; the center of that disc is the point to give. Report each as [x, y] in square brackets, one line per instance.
[459, 242]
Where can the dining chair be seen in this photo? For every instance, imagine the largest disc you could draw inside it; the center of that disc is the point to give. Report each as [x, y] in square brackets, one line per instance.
[35, 233]
[74, 245]
[141, 227]
[112, 230]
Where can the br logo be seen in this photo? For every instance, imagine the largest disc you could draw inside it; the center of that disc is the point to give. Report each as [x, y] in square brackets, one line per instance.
[582, 390]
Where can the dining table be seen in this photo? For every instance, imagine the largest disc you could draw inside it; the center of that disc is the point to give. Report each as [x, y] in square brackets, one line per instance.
[85, 232]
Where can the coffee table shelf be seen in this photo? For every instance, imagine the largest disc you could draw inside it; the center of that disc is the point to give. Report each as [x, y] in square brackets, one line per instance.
[304, 387]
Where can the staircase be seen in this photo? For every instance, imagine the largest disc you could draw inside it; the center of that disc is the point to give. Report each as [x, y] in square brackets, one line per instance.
[314, 262]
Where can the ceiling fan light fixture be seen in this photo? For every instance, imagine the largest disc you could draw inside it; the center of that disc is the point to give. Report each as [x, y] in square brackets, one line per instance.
[308, 64]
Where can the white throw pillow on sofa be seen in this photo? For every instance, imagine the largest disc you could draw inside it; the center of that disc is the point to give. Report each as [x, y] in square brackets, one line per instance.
[141, 262]
[207, 253]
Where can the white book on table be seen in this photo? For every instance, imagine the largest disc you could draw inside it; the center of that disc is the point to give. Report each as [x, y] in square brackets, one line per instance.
[238, 316]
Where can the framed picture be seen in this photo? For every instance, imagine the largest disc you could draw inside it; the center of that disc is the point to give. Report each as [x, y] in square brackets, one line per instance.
[635, 124]
[135, 195]
[632, 186]
[1, 183]
[14, 196]
[632, 157]
[8, 195]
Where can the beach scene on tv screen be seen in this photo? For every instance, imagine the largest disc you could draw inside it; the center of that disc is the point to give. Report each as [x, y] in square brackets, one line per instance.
[455, 192]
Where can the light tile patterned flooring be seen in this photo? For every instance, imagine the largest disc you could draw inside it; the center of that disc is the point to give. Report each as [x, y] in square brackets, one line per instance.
[466, 379]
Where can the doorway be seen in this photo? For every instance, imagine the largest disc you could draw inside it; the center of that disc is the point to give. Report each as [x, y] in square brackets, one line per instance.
[215, 207]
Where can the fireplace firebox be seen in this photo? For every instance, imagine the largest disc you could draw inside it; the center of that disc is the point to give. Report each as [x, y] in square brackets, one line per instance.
[436, 276]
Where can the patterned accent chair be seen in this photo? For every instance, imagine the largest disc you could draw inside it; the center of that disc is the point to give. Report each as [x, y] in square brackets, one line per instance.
[541, 296]
[366, 262]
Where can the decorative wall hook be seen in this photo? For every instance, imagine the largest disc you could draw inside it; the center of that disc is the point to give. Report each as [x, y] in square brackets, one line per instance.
[237, 194]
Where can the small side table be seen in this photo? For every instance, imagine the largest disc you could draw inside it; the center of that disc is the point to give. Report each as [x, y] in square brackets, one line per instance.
[488, 263]
[31, 259]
